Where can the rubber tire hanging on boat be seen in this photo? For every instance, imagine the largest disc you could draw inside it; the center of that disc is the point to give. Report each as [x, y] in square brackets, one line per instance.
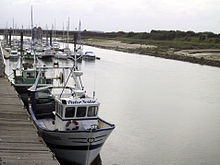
[74, 122]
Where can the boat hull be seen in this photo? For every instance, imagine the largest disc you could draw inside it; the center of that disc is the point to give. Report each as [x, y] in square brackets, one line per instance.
[79, 147]
[86, 57]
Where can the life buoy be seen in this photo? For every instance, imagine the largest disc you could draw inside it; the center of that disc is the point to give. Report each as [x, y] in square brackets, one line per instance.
[72, 125]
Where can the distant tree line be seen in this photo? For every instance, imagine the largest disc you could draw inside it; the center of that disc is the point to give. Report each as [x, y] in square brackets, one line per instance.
[160, 35]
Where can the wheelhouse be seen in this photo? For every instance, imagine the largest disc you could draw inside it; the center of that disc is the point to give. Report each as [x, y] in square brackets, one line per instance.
[77, 111]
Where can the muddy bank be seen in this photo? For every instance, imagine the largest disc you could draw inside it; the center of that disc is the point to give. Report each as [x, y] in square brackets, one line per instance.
[152, 50]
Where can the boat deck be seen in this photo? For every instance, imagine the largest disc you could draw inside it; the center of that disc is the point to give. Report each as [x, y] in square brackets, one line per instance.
[19, 142]
[47, 123]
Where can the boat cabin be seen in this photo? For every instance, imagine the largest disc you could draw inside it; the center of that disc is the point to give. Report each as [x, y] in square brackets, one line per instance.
[76, 114]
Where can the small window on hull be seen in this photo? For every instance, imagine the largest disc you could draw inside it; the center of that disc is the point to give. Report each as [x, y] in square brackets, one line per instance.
[70, 112]
[81, 112]
[92, 111]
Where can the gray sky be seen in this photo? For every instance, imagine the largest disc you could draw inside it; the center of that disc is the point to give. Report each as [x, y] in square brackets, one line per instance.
[115, 15]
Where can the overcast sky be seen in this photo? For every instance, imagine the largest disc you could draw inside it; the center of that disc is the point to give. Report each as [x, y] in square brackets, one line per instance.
[115, 15]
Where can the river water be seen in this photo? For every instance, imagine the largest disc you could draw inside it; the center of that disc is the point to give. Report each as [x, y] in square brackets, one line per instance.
[166, 112]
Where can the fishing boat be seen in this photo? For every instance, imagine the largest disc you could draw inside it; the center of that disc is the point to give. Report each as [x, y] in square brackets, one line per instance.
[61, 55]
[27, 77]
[71, 127]
[56, 46]
[48, 53]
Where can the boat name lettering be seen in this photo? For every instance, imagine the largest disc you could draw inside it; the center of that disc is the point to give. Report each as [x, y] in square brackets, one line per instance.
[74, 102]
[89, 101]
[81, 101]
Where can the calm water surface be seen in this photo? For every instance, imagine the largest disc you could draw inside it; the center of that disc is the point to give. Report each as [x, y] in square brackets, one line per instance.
[166, 112]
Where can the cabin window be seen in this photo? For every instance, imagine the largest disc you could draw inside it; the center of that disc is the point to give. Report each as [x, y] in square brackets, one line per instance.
[81, 112]
[70, 112]
[92, 111]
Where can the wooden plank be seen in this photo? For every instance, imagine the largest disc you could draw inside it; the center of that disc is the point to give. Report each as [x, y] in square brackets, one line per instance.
[6, 108]
[19, 142]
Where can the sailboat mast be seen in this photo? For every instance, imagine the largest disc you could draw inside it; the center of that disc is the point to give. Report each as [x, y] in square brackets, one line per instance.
[55, 29]
[63, 34]
[80, 42]
[32, 22]
[32, 34]
[68, 28]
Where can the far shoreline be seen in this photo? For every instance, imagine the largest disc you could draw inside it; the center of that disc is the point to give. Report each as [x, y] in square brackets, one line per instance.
[170, 54]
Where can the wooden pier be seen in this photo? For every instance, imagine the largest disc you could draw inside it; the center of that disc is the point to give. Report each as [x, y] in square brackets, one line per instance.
[19, 141]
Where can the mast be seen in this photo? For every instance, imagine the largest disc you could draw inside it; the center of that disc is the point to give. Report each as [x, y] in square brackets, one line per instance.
[63, 34]
[47, 36]
[51, 34]
[32, 34]
[6, 33]
[55, 29]
[68, 27]
[21, 49]
[13, 27]
[75, 40]
[79, 35]
[32, 23]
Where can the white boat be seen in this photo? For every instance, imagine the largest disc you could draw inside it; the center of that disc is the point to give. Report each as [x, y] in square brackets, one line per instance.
[13, 54]
[61, 55]
[48, 53]
[74, 132]
[67, 51]
[89, 55]
[56, 46]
